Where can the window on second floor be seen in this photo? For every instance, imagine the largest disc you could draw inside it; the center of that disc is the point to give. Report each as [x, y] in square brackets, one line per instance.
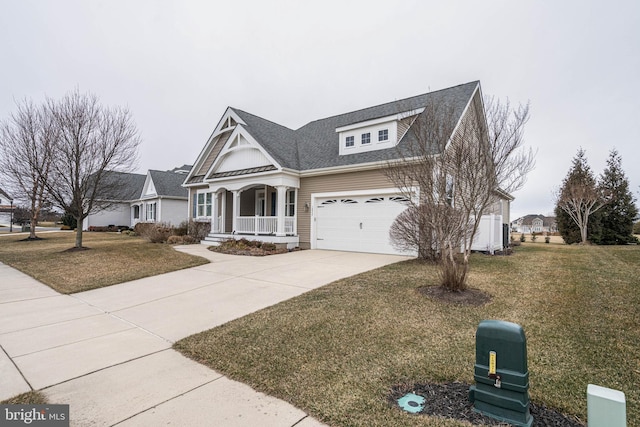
[366, 138]
[350, 141]
[383, 135]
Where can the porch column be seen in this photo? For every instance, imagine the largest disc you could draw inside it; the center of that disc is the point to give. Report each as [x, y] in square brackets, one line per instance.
[214, 212]
[235, 209]
[223, 211]
[280, 209]
[295, 212]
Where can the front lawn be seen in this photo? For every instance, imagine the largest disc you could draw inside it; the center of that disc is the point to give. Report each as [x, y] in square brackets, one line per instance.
[112, 258]
[338, 351]
[29, 398]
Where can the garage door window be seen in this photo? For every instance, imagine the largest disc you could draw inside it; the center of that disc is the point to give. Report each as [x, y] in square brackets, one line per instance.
[375, 200]
[399, 199]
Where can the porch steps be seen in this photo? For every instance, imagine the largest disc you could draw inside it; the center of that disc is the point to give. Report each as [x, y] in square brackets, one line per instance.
[212, 240]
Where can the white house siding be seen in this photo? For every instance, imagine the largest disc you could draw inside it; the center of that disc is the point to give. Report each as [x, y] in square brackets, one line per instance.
[119, 214]
[172, 211]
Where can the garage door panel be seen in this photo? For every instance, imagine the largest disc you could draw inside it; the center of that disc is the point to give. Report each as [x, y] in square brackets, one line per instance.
[358, 224]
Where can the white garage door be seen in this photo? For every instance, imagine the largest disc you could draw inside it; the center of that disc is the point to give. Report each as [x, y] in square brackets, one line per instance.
[358, 224]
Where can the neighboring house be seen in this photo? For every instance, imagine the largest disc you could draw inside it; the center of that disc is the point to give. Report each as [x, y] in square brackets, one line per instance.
[535, 223]
[6, 202]
[157, 196]
[6, 206]
[322, 186]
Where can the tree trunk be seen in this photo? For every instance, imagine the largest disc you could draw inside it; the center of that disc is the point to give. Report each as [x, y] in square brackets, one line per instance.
[453, 271]
[32, 231]
[583, 231]
[79, 232]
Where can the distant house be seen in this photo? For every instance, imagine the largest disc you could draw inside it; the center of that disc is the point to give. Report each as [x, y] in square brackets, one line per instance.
[535, 224]
[323, 185]
[5, 200]
[157, 196]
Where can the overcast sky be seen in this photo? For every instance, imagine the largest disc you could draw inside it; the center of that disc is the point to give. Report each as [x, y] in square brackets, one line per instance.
[178, 64]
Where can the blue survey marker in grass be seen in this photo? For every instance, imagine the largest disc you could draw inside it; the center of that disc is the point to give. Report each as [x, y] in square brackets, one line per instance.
[411, 403]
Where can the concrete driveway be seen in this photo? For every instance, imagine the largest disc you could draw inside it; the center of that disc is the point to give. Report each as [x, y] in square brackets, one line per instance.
[107, 352]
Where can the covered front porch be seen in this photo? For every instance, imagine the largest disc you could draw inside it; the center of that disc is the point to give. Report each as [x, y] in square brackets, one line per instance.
[268, 213]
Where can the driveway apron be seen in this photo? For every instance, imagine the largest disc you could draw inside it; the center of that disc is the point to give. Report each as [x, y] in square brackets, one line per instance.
[107, 352]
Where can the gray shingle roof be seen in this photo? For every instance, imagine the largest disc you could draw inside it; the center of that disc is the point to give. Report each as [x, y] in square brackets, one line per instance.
[122, 186]
[168, 183]
[527, 219]
[4, 195]
[279, 141]
[316, 144]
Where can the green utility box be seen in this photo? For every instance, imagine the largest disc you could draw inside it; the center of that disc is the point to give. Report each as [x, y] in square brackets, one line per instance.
[501, 373]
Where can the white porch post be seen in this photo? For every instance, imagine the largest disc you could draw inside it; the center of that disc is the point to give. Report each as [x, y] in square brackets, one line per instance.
[280, 209]
[214, 212]
[295, 212]
[235, 209]
[223, 213]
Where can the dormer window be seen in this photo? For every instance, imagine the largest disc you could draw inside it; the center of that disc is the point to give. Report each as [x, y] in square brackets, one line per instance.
[381, 133]
[350, 141]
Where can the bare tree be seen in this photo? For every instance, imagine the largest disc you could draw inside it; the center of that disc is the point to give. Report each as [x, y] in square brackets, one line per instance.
[25, 156]
[452, 171]
[580, 196]
[92, 142]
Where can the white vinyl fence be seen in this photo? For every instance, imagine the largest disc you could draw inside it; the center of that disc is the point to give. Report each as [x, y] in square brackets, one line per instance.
[489, 235]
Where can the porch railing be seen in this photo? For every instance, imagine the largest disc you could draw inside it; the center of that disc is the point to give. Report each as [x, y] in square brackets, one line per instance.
[263, 225]
[289, 225]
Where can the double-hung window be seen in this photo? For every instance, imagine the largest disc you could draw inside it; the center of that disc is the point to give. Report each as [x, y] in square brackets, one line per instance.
[290, 203]
[151, 212]
[204, 204]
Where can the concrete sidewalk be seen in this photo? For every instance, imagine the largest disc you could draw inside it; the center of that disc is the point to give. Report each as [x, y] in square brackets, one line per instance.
[107, 352]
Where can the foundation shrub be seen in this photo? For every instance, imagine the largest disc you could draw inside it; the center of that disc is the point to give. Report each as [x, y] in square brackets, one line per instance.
[154, 232]
[198, 230]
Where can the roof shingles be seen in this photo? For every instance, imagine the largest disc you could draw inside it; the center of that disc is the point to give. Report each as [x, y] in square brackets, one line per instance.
[316, 144]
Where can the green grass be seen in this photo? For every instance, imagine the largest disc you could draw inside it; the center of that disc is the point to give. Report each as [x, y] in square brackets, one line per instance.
[29, 398]
[336, 352]
[112, 258]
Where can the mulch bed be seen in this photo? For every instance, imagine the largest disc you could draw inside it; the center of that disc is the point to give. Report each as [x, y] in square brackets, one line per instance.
[247, 252]
[451, 400]
[474, 297]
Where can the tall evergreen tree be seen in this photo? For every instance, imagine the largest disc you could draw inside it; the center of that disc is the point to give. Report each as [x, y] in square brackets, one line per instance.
[579, 198]
[618, 214]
